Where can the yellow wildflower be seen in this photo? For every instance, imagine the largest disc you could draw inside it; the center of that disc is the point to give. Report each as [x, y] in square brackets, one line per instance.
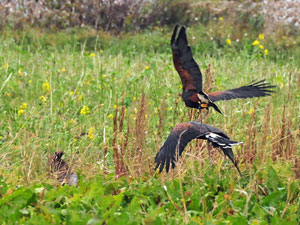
[228, 41]
[266, 51]
[20, 112]
[71, 93]
[115, 106]
[91, 132]
[85, 110]
[147, 67]
[5, 65]
[23, 105]
[134, 98]
[91, 55]
[30, 81]
[261, 36]
[155, 132]
[251, 111]
[146, 116]
[20, 72]
[46, 86]
[170, 108]
[43, 98]
[256, 42]
[261, 46]
[221, 18]
[110, 116]
[63, 70]
[101, 51]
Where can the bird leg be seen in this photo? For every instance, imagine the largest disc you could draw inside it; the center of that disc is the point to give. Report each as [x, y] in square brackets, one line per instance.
[199, 117]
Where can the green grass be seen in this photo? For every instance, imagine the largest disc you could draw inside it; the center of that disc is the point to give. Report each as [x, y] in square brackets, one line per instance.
[56, 75]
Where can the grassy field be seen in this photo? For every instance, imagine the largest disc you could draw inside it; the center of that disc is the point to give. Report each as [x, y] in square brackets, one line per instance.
[109, 103]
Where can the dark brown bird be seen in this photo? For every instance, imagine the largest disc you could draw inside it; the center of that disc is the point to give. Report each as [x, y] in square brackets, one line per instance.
[191, 78]
[61, 169]
[183, 133]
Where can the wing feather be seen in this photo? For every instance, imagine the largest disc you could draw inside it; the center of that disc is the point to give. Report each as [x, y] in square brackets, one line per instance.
[173, 147]
[254, 89]
[184, 62]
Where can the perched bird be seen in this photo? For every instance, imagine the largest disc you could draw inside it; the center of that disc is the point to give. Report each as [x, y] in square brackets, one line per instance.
[61, 169]
[191, 78]
[183, 133]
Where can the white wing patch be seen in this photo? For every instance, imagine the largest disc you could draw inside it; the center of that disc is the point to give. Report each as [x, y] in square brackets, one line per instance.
[202, 98]
[221, 141]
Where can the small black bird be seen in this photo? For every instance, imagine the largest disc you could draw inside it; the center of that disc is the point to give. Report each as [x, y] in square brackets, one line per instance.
[183, 133]
[191, 78]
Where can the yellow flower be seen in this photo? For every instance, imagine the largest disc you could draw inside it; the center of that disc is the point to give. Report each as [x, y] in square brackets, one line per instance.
[261, 46]
[85, 110]
[91, 132]
[101, 51]
[20, 72]
[63, 70]
[30, 81]
[91, 55]
[134, 98]
[146, 116]
[46, 86]
[43, 98]
[147, 67]
[221, 18]
[256, 42]
[266, 51]
[20, 112]
[115, 106]
[110, 116]
[155, 132]
[5, 65]
[71, 93]
[228, 41]
[170, 108]
[261, 36]
[251, 111]
[23, 105]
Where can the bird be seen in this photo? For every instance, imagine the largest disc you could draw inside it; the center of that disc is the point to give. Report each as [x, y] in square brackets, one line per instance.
[191, 78]
[183, 133]
[61, 169]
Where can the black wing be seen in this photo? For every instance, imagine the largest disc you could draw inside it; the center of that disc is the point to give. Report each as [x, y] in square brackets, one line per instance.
[184, 62]
[254, 89]
[173, 147]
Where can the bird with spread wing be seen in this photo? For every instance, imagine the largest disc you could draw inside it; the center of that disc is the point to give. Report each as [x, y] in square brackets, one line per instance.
[191, 78]
[184, 133]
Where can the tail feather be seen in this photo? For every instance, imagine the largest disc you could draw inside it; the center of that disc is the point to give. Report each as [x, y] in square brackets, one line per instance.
[215, 107]
[226, 145]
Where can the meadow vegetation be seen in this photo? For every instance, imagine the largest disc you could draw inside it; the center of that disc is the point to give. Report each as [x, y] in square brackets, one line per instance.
[109, 103]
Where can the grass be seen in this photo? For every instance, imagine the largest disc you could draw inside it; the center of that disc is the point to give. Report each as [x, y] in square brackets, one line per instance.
[109, 103]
